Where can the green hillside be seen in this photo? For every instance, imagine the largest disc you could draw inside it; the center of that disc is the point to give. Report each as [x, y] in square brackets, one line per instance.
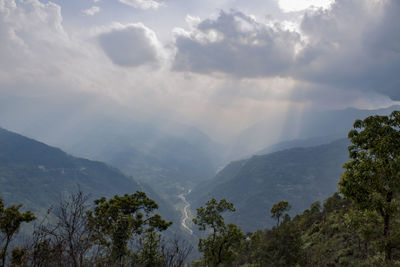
[298, 175]
[38, 175]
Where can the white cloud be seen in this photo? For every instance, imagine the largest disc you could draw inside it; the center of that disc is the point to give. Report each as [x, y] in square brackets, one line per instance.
[42, 60]
[142, 4]
[131, 45]
[92, 11]
[299, 5]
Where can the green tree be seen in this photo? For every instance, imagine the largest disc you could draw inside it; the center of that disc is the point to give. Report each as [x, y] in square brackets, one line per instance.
[122, 219]
[11, 219]
[222, 245]
[279, 246]
[372, 176]
[149, 254]
[279, 209]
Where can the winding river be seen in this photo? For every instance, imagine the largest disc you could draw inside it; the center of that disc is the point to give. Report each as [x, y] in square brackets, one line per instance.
[185, 216]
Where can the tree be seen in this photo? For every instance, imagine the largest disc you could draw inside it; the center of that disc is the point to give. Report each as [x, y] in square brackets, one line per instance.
[122, 219]
[175, 251]
[224, 242]
[149, 253]
[279, 209]
[11, 219]
[372, 176]
[66, 237]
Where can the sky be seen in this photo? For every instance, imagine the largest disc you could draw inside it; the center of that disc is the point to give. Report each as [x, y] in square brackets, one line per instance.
[218, 65]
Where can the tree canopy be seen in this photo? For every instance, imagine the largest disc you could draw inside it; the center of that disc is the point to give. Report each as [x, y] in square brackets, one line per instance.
[11, 219]
[372, 175]
[224, 242]
[279, 209]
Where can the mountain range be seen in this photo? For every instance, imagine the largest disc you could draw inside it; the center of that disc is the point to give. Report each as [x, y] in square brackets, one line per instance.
[298, 175]
[309, 125]
[39, 176]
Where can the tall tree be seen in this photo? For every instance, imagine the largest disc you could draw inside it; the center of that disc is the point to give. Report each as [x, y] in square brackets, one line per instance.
[11, 219]
[372, 176]
[278, 210]
[116, 221]
[224, 242]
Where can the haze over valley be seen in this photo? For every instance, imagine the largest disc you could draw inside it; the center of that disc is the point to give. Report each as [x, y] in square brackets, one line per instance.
[248, 101]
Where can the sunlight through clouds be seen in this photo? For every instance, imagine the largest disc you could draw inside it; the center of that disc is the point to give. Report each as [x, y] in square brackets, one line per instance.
[221, 72]
[298, 5]
[142, 4]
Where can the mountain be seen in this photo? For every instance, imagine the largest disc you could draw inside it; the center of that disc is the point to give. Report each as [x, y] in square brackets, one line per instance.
[298, 175]
[38, 175]
[163, 153]
[309, 142]
[309, 124]
[167, 159]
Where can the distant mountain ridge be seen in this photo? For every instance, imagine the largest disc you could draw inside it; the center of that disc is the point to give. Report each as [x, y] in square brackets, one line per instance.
[298, 175]
[309, 142]
[310, 124]
[167, 161]
[153, 149]
[38, 175]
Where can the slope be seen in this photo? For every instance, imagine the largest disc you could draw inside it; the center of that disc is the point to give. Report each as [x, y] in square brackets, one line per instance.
[309, 124]
[298, 175]
[38, 175]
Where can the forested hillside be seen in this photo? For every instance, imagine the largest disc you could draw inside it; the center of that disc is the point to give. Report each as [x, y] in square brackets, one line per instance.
[38, 175]
[356, 226]
[298, 175]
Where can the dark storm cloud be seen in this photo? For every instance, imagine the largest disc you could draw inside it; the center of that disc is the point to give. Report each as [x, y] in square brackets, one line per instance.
[354, 45]
[236, 44]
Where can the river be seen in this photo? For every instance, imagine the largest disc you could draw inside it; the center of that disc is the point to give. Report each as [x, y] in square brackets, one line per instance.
[185, 216]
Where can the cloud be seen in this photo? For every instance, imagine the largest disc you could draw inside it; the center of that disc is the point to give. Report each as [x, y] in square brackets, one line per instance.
[352, 45]
[355, 45]
[142, 4]
[236, 44]
[31, 32]
[130, 45]
[298, 5]
[92, 11]
[265, 68]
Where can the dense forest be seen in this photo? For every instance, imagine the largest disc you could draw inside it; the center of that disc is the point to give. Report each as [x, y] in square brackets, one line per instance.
[357, 226]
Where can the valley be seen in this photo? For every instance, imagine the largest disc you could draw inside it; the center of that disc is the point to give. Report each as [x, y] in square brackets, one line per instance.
[179, 175]
[152, 133]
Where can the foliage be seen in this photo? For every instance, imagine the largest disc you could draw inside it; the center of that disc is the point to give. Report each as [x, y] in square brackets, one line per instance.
[371, 177]
[280, 246]
[357, 227]
[11, 219]
[121, 219]
[297, 175]
[76, 235]
[222, 245]
[278, 210]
